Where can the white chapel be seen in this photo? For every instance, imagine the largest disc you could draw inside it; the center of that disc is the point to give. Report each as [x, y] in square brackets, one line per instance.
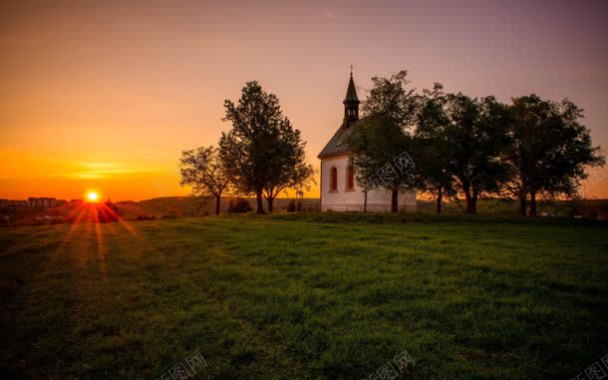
[339, 189]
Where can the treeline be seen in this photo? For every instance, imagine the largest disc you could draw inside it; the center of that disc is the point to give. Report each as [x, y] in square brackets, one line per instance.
[470, 147]
[455, 147]
[262, 154]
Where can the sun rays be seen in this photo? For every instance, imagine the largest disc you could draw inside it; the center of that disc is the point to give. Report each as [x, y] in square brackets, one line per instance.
[88, 223]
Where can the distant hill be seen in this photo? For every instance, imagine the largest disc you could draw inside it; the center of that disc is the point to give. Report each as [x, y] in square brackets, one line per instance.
[168, 207]
[175, 207]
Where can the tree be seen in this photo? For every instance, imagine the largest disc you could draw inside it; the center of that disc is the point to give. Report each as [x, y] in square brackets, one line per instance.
[362, 176]
[362, 159]
[430, 149]
[262, 150]
[204, 171]
[380, 142]
[389, 97]
[476, 138]
[379, 156]
[302, 181]
[531, 116]
[286, 161]
[550, 149]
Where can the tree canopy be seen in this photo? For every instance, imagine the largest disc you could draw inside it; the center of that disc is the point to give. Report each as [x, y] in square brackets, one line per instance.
[202, 169]
[475, 138]
[550, 149]
[380, 142]
[430, 147]
[262, 150]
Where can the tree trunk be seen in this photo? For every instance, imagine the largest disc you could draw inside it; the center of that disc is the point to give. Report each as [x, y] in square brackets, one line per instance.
[270, 202]
[471, 201]
[522, 205]
[467, 198]
[439, 199]
[395, 199]
[218, 199]
[523, 202]
[364, 200]
[533, 203]
[475, 194]
[259, 202]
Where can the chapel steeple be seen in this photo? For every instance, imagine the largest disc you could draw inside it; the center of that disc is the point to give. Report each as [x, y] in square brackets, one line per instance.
[351, 102]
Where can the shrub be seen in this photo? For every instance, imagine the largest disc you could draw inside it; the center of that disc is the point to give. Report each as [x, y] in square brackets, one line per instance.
[173, 212]
[239, 205]
[294, 206]
[146, 217]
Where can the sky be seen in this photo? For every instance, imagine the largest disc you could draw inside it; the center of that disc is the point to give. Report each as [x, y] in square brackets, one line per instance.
[105, 95]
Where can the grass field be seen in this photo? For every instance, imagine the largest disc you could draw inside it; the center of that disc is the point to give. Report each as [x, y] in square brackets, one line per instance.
[304, 297]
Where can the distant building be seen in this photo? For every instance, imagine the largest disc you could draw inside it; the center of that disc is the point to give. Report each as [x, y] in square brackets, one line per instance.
[41, 202]
[12, 203]
[339, 190]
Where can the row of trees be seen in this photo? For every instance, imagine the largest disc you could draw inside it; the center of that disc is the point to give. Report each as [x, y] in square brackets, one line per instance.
[262, 154]
[471, 146]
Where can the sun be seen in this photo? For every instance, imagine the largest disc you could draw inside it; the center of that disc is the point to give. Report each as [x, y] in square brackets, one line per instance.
[92, 196]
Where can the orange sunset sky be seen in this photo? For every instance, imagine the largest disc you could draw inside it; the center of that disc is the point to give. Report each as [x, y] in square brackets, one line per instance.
[106, 94]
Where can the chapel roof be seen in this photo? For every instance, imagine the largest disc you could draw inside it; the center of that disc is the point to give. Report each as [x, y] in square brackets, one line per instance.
[338, 144]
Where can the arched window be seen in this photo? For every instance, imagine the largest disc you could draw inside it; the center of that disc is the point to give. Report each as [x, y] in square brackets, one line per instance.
[350, 178]
[333, 179]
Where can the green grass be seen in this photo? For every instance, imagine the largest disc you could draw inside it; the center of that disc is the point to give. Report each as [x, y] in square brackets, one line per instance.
[323, 296]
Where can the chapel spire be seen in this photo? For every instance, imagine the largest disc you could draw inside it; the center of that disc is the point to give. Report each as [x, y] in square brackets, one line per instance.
[351, 102]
